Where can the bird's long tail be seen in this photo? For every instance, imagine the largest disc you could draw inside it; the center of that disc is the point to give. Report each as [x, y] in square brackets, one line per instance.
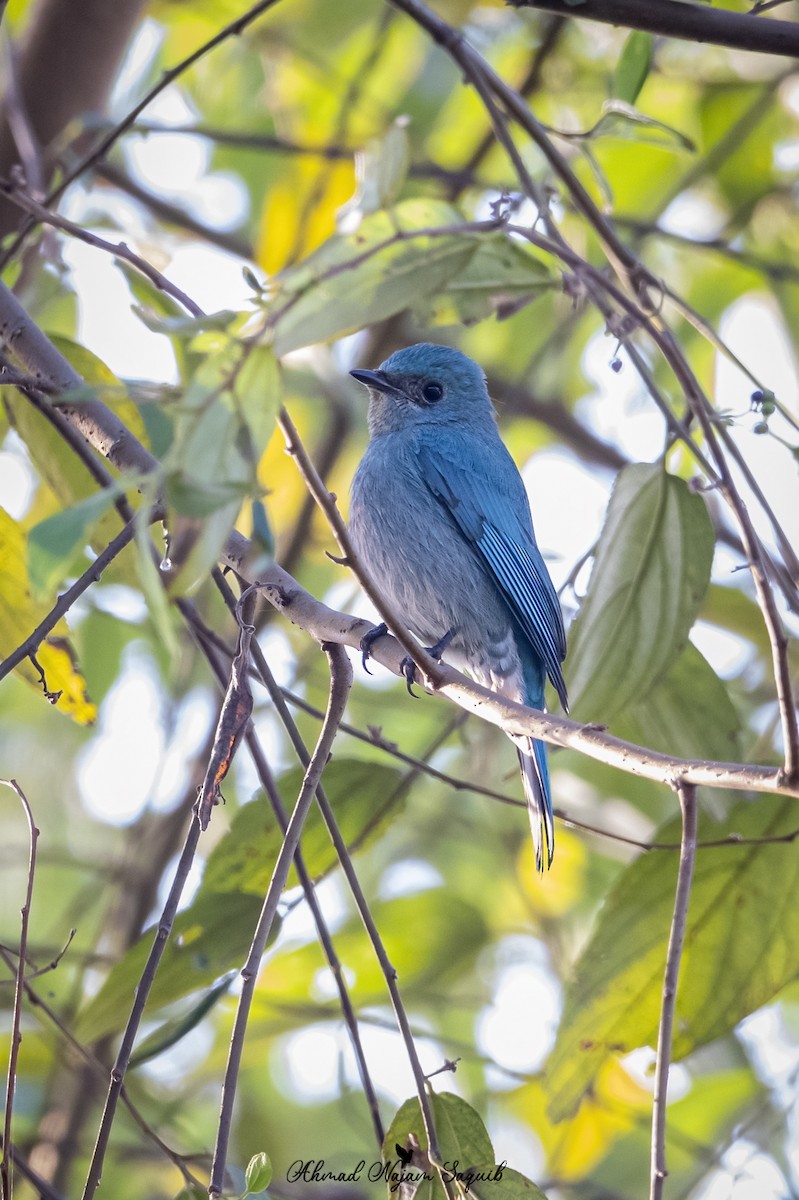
[535, 780]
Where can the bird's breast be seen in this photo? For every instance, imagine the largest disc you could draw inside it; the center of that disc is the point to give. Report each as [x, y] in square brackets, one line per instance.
[420, 559]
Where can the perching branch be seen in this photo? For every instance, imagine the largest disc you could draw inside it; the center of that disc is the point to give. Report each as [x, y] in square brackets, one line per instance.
[340, 683]
[16, 1018]
[687, 794]
[672, 18]
[324, 623]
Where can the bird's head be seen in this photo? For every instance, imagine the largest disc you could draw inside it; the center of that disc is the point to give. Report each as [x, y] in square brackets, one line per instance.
[425, 385]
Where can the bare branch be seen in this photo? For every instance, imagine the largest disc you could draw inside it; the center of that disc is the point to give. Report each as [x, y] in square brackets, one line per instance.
[65, 601]
[324, 623]
[16, 1019]
[40, 1006]
[340, 683]
[118, 249]
[261, 669]
[672, 18]
[687, 794]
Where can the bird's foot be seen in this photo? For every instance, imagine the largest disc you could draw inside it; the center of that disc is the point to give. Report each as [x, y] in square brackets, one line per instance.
[437, 651]
[368, 640]
[409, 668]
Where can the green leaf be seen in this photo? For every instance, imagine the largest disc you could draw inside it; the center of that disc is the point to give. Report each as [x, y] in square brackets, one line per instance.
[258, 1175]
[210, 937]
[651, 571]
[173, 1031]
[491, 1181]
[499, 275]
[621, 120]
[462, 1137]
[381, 168]
[454, 930]
[244, 858]
[185, 327]
[688, 713]
[221, 431]
[394, 260]
[54, 543]
[741, 948]
[633, 66]
[20, 613]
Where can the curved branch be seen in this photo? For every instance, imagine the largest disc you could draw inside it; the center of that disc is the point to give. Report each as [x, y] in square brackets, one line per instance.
[324, 623]
[693, 22]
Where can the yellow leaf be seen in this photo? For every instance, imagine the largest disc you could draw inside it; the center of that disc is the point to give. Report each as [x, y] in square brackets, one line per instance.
[573, 1148]
[300, 211]
[19, 616]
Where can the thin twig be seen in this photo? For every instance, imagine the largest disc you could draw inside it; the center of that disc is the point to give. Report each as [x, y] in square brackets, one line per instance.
[389, 972]
[44, 1189]
[40, 1005]
[551, 36]
[117, 249]
[481, 75]
[143, 987]
[687, 794]
[345, 860]
[340, 683]
[16, 1018]
[753, 548]
[65, 601]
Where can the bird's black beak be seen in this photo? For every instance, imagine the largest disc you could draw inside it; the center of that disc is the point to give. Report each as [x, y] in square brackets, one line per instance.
[376, 380]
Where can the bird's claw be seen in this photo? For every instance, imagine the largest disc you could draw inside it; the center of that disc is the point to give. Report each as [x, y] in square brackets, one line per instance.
[368, 640]
[408, 668]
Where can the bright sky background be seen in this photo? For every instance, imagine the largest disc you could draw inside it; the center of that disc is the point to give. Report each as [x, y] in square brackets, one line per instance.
[568, 504]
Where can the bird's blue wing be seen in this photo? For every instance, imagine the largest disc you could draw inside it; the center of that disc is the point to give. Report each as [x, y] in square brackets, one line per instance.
[490, 509]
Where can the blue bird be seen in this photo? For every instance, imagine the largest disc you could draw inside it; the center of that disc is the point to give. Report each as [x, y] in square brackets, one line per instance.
[440, 517]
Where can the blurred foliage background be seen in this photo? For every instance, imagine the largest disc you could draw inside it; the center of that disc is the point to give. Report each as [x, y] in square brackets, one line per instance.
[282, 181]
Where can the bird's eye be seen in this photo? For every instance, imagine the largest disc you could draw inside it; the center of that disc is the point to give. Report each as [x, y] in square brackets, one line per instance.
[432, 392]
